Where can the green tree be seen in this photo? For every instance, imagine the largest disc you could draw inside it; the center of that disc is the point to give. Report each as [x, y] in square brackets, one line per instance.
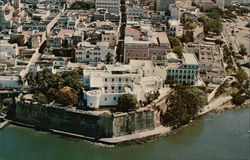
[82, 5]
[109, 58]
[17, 39]
[40, 98]
[72, 79]
[239, 99]
[127, 102]
[176, 45]
[20, 81]
[219, 42]
[183, 104]
[190, 25]
[29, 78]
[66, 96]
[152, 96]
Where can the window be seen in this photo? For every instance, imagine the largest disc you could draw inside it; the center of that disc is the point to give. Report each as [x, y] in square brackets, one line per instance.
[120, 88]
[106, 88]
[114, 98]
[106, 79]
[105, 98]
[113, 79]
[112, 87]
[120, 79]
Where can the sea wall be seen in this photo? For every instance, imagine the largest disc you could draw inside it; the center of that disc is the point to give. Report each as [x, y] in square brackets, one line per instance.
[134, 122]
[87, 123]
[43, 117]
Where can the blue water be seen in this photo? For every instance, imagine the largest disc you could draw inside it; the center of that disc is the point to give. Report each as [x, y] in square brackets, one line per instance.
[221, 136]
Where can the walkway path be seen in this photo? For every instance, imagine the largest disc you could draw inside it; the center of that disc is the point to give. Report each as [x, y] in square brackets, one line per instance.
[161, 130]
[215, 104]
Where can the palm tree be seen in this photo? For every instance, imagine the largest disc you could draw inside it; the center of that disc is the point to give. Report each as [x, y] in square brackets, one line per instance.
[29, 78]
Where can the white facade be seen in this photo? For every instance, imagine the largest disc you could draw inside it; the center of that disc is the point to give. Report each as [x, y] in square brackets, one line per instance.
[9, 82]
[175, 11]
[175, 27]
[135, 11]
[106, 83]
[113, 6]
[186, 72]
[110, 37]
[11, 49]
[86, 52]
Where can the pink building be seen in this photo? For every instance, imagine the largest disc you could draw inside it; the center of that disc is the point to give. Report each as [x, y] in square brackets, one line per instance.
[147, 45]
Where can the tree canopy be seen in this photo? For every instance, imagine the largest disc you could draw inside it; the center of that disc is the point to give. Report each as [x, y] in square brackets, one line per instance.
[66, 96]
[17, 39]
[176, 45]
[82, 5]
[211, 25]
[47, 86]
[183, 104]
[127, 102]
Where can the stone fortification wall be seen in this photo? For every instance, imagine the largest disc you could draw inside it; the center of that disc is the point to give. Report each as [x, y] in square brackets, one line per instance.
[93, 124]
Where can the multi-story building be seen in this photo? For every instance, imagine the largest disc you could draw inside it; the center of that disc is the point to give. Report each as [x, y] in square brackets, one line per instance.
[9, 82]
[10, 49]
[134, 11]
[162, 4]
[220, 3]
[113, 6]
[87, 52]
[175, 28]
[211, 61]
[106, 83]
[109, 36]
[6, 15]
[145, 44]
[186, 72]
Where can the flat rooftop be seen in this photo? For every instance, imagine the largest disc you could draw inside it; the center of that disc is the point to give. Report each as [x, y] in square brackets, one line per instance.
[190, 58]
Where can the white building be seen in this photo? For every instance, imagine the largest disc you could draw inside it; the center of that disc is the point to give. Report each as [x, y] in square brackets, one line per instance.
[134, 11]
[6, 59]
[187, 72]
[106, 83]
[9, 82]
[87, 52]
[211, 61]
[113, 6]
[175, 28]
[10, 49]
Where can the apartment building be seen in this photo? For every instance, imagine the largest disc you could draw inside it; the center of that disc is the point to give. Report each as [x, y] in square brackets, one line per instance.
[113, 6]
[186, 72]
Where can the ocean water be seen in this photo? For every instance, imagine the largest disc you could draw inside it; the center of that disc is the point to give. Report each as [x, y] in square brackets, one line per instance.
[220, 136]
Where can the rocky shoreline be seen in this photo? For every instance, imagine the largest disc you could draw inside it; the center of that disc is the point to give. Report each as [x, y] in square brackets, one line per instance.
[230, 106]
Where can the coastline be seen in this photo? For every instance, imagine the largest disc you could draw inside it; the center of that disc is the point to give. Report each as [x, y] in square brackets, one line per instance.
[136, 138]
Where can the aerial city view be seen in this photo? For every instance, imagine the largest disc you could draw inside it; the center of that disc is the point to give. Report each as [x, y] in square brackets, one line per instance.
[124, 79]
